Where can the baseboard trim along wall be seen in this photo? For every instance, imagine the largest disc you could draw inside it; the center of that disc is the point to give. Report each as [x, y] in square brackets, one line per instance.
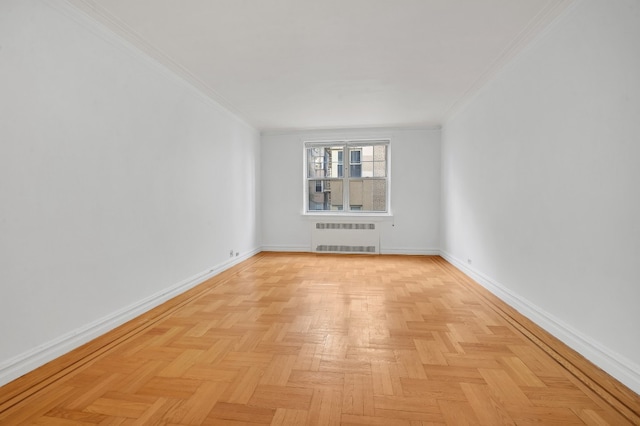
[297, 249]
[401, 251]
[40, 355]
[410, 251]
[616, 365]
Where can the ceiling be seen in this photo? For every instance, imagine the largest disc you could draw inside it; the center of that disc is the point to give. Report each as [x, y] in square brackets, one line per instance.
[302, 64]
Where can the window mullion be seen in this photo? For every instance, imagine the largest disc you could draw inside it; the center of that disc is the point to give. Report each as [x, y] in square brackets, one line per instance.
[346, 178]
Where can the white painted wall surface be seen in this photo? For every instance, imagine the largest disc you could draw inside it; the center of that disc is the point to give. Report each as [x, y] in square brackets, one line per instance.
[415, 189]
[541, 175]
[118, 183]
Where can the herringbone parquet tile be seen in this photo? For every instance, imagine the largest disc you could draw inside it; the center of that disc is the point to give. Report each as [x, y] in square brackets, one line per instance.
[293, 339]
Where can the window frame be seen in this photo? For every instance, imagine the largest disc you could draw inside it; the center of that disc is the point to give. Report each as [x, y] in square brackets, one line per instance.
[347, 146]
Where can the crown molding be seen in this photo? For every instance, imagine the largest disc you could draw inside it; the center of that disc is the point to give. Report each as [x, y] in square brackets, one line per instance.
[373, 131]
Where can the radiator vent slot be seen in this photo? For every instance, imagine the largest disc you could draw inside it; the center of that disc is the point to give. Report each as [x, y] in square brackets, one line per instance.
[347, 249]
[345, 226]
[345, 237]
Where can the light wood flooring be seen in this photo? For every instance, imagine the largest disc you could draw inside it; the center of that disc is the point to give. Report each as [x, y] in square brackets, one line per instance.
[321, 339]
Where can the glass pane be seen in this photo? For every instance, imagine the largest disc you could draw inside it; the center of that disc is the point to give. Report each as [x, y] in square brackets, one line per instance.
[324, 161]
[368, 195]
[379, 168]
[337, 164]
[379, 161]
[325, 194]
[379, 195]
[380, 153]
[371, 159]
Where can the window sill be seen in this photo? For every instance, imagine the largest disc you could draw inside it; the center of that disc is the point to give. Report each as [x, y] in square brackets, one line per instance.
[378, 217]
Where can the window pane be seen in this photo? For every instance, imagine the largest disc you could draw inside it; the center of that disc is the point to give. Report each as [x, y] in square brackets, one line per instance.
[324, 161]
[325, 194]
[336, 165]
[369, 194]
[379, 196]
[315, 162]
[371, 161]
[375, 164]
[380, 153]
[379, 161]
[379, 168]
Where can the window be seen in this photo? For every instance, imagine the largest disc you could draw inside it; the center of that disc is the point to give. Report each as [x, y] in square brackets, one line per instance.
[355, 167]
[361, 184]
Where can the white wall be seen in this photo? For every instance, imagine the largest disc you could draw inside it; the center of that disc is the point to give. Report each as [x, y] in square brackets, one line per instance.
[118, 183]
[415, 189]
[540, 184]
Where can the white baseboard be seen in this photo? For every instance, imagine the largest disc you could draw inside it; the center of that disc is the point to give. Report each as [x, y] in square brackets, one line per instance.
[27, 361]
[410, 251]
[405, 251]
[623, 369]
[299, 249]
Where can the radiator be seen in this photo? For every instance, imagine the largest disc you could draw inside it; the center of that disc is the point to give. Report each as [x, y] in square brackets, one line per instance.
[345, 237]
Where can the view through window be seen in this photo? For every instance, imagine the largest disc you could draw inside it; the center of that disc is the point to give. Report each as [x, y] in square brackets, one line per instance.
[359, 185]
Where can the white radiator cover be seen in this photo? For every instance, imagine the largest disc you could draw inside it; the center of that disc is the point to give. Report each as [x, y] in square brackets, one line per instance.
[345, 237]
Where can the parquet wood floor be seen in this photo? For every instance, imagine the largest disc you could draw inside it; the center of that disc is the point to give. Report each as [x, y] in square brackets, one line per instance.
[294, 339]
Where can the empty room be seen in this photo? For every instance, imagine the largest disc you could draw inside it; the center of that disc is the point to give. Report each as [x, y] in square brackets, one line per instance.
[349, 212]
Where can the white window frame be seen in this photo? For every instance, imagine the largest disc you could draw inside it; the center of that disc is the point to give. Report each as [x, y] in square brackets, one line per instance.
[346, 170]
